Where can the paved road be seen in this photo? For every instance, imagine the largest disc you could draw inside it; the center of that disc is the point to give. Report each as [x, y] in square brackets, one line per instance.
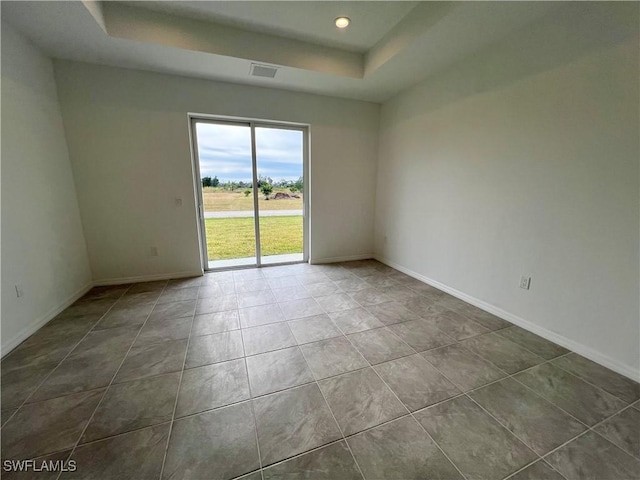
[249, 213]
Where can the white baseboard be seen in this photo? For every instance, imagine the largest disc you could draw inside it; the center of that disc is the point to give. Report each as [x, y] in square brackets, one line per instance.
[554, 337]
[27, 331]
[146, 278]
[348, 258]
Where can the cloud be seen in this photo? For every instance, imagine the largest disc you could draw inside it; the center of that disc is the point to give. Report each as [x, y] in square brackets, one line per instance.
[225, 151]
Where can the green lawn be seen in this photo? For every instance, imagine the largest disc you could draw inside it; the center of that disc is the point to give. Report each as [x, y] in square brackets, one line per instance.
[235, 237]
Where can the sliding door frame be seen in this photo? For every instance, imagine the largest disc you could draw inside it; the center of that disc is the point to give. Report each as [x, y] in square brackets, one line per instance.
[197, 180]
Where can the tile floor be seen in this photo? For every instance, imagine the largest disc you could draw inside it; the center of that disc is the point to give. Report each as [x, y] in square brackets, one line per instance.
[323, 372]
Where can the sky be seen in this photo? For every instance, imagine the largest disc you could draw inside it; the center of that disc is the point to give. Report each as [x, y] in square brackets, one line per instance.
[225, 152]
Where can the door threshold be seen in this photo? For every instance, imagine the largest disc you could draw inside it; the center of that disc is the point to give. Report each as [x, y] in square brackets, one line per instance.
[250, 262]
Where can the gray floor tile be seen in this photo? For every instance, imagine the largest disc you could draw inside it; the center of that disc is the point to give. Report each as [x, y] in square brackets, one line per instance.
[337, 302]
[307, 307]
[254, 299]
[142, 287]
[215, 348]
[313, 329]
[503, 353]
[336, 272]
[19, 383]
[292, 422]
[125, 316]
[332, 357]
[591, 457]
[585, 402]
[533, 343]
[212, 386]
[478, 445]
[380, 281]
[267, 338]
[178, 295]
[256, 285]
[217, 304]
[5, 414]
[360, 400]
[138, 299]
[82, 372]
[323, 289]
[537, 471]
[351, 284]
[332, 462]
[401, 294]
[531, 418]
[485, 319]
[211, 323]
[133, 405]
[49, 426]
[220, 444]
[149, 360]
[284, 282]
[369, 296]
[380, 345]
[309, 278]
[262, 315]
[422, 306]
[623, 430]
[636, 405]
[392, 312]
[217, 277]
[457, 326]
[135, 455]
[416, 383]
[614, 383]
[216, 289]
[400, 450]
[287, 294]
[184, 282]
[164, 330]
[421, 334]
[273, 371]
[462, 367]
[173, 310]
[355, 320]
[105, 341]
[247, 274]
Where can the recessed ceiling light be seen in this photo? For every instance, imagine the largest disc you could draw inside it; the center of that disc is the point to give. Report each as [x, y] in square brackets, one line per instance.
[343, 22]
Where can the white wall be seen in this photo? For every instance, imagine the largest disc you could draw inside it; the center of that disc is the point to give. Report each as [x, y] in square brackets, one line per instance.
[127, 133]
[524, 160]
[43, 246]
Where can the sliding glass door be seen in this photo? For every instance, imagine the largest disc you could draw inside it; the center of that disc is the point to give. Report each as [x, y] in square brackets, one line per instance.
[250, 182]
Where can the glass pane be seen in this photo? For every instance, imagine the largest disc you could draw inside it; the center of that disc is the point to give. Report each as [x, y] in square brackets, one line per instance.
[279, 154]
[224, 151]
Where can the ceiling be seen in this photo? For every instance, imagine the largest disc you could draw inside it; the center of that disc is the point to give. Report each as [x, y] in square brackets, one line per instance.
[309, 21]
[388, 47]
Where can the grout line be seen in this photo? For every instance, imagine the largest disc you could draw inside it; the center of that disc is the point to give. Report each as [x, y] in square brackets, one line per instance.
[253, 410]
[175, 404]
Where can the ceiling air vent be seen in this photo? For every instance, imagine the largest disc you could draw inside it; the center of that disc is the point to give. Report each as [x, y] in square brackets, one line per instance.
[263, 70]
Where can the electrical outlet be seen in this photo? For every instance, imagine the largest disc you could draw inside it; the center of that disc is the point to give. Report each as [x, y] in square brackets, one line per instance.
[154, 251]
[525, 282]
[19, 290]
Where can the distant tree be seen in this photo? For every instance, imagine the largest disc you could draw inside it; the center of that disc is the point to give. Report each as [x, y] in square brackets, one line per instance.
[206, 181]
[298, 185]
[215, 182]
[247, 192]
[266, 190]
